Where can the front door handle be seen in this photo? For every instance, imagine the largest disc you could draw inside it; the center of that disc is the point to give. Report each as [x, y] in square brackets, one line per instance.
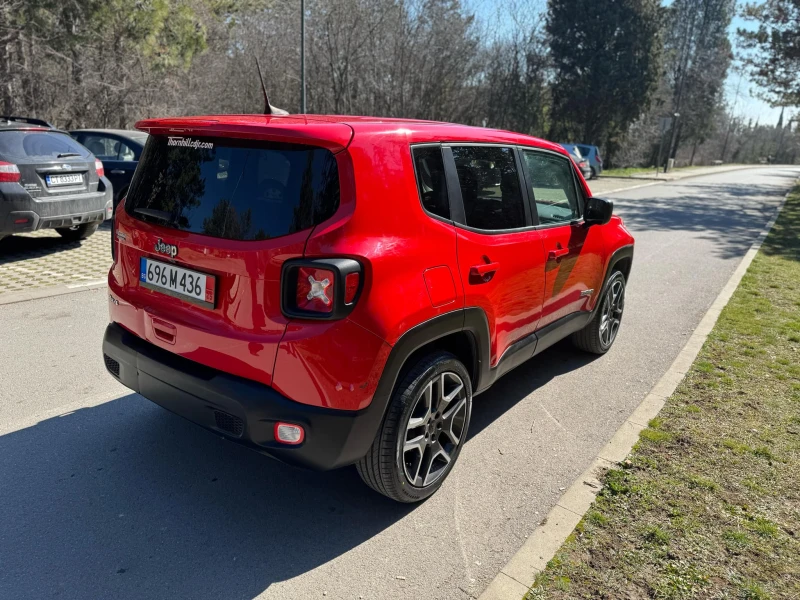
[557, 254]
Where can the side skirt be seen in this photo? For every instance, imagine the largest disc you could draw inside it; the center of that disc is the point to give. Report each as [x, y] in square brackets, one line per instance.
[533, 344]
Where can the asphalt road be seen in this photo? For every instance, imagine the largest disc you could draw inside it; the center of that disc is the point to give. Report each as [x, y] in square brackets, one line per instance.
[105, 495]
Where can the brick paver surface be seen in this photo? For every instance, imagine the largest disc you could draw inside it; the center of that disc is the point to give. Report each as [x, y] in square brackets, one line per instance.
[43, 258]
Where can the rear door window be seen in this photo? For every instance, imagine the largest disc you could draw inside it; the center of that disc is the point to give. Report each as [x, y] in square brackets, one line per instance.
[232, 188]
[108, 148]
[490, 188]
[45, 145]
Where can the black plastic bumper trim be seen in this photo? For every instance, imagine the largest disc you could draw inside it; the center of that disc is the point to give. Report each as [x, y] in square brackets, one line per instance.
[333, 438]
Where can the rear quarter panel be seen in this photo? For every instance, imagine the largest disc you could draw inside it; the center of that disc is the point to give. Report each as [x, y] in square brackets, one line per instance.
[381, 224]
[392, 237]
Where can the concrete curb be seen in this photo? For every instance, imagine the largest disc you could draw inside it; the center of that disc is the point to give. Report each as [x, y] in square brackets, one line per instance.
[517, 577]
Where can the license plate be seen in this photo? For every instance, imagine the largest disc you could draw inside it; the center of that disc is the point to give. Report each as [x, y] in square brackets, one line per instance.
[72, 179]
[177, 281]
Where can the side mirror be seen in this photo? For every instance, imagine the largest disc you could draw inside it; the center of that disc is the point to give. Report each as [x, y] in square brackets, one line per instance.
[598, 211]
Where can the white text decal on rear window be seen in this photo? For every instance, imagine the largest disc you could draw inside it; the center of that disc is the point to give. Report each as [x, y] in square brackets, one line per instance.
[189, 143]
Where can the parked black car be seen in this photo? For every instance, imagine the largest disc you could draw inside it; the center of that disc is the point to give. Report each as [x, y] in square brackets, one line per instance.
[48, 180]
[119, 150]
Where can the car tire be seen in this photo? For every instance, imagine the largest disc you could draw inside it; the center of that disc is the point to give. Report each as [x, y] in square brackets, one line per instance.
[594, 173]
[599, 334]
[79, 232]
[423, 432]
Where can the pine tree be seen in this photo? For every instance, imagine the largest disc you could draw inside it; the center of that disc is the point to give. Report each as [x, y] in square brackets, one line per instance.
[606, 61]
[774, 50]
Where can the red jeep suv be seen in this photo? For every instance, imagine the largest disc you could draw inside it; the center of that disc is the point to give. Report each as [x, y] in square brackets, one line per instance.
[336, 290]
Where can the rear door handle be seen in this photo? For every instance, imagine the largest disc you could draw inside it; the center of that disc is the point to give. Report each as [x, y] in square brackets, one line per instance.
[559, 253]
[482, 273]
[484, 269]
[118, 172]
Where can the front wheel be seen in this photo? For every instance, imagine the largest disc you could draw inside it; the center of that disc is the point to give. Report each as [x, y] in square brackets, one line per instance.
[79, 232]
[423, 431]
[600, 333]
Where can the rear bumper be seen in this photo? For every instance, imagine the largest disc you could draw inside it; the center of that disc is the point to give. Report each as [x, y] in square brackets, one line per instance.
[242, 410]
[19, 212]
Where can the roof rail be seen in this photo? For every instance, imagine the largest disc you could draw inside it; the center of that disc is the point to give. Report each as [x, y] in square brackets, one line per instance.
[28, 120]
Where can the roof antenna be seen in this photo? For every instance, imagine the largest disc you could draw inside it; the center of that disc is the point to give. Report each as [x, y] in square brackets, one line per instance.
[268, 108]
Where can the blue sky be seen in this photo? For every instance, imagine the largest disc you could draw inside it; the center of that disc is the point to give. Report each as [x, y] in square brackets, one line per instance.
[745, 103]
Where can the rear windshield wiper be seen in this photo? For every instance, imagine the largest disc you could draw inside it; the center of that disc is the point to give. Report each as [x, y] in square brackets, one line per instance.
[161, 215]
[67, 154]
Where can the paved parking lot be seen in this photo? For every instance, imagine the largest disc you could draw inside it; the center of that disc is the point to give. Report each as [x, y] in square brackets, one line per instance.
[42, 259]
[106, 495]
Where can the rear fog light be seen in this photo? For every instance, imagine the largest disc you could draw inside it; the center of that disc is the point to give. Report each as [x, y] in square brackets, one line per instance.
[287, 433]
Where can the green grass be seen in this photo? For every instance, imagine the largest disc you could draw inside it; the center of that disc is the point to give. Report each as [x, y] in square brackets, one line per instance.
[631, 171]
[708, 506]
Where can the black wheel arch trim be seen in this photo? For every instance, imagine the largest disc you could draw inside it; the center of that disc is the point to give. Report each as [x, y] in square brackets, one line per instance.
[619, 254]
[473, 320]
[622, 253]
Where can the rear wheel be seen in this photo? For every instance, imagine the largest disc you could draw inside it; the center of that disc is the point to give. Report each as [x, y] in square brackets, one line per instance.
[423, 431]
[79, 232]
[594, 173]
[598, 336]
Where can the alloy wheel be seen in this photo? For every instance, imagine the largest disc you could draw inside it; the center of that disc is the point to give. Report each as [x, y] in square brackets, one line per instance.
[613, 304]
[435, 428]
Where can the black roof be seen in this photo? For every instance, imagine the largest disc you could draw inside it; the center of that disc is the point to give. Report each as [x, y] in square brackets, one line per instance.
[136, 136]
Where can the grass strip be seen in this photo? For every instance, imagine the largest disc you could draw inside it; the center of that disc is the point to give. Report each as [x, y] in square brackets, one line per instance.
[630, 171]
[708, 505]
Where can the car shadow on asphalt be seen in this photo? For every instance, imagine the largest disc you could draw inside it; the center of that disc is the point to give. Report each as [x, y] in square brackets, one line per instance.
[696, 207]
[17, 248]
[560, 359]
[125, 500]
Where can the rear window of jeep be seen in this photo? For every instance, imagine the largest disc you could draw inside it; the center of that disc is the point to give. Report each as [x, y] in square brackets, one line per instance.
[232, 188]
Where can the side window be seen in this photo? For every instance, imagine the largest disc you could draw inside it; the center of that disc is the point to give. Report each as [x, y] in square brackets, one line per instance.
[553, 187]
[431, 180]
[103, 148]
[489, 187]
[125, 153]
